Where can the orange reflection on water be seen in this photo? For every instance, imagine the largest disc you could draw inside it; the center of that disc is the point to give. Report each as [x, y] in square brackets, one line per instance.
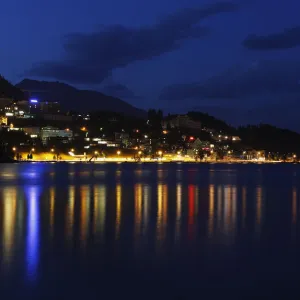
[52, 208]
[137, 209]
[146, 207]
[118, 209]
[178, 210]
[84, 213]
[99, 208]
[70, 213]
[219, 207]
[9, 222]
[162, 209]
[211, 208]
[227, 209]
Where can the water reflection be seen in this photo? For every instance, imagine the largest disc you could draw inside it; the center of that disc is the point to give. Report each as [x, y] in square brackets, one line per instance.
[258, 209]
[178, 210]
[85, 194]
[52, 208]
[137, 210]
[33, 223]
[70, 214]
[162, 214]
[9, 223]
[294, 206]
[118, 209]
[148, 214]
[100, 210]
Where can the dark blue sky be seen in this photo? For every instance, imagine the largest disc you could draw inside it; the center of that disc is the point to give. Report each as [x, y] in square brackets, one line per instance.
[235, 59]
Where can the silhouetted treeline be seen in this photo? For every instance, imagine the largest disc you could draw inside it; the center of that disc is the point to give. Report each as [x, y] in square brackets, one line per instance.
[211, 122]
[270, 138]
[9, 90]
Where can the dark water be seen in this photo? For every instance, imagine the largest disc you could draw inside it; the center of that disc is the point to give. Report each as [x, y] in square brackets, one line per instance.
[148, 231]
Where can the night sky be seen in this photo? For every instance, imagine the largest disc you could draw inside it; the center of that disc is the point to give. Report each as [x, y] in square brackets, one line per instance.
[238, 60]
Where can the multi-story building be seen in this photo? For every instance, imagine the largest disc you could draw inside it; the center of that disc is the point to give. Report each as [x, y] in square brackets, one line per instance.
[181, 121]
[49, 132]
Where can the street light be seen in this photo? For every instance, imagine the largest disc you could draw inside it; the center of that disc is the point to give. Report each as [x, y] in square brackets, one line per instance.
[160, 153]
[140, 152]
[178, 153]
[96, 152]
[118, 152]
[72, 150]
[32, 150]
[14, 148]
[52, 150]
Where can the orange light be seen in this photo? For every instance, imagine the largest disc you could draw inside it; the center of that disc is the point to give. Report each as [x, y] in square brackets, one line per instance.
[83, 129]
[165, 132]
[67, 129]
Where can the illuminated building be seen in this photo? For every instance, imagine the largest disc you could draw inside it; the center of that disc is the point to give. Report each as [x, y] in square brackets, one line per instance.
[52, 132]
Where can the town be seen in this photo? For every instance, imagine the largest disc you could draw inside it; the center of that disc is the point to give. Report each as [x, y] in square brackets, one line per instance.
[36, 130]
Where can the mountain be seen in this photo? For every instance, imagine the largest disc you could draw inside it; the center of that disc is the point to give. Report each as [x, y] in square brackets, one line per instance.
[71, 98]
[7, 90]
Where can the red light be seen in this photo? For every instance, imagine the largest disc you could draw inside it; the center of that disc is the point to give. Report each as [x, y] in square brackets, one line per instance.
[192, 138]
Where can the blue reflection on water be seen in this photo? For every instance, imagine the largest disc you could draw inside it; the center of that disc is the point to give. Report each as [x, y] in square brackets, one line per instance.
[32, 239]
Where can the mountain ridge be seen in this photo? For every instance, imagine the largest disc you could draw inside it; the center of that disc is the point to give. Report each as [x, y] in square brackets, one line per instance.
[72, 98]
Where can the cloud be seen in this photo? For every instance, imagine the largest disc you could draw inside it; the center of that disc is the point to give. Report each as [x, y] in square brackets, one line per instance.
[287, 39]
[119, 91]
[91, 57]
[264, 79]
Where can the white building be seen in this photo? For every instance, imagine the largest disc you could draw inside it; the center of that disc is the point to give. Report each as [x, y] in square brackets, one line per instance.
[52, 132]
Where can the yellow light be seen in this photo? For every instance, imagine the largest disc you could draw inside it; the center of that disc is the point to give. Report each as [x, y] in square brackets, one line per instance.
[14, 148]
[258, 153]
[72, 150]
[229, 152]
[83, 129]
[178, 152]
[165, 132]
[32, 149]
[52, 150]
[96, 152]
[160, 152]
[119, 152]
[140, 152]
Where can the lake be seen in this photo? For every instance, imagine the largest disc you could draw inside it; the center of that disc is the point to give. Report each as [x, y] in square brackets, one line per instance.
[148, 231]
